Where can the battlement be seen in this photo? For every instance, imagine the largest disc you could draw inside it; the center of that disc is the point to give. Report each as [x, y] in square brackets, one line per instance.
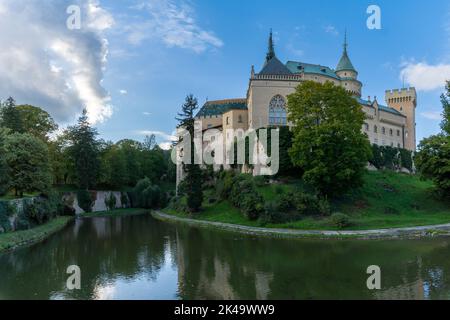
[411, 91]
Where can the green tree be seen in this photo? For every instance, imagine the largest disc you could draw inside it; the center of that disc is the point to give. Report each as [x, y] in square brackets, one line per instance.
[84, 152]
[328, 144]
[433, 157]
[28, 160]
[10, 116]
[445, 100]
[4, 168]
[193, 177]
[36, 121]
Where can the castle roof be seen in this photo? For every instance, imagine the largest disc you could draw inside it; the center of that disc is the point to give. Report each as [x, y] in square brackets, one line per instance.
[301, 67]
[344, 62]
[275, 67]
[219, 107]
[380, 107]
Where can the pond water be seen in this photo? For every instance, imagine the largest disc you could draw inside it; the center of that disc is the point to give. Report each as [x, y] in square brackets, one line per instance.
[137, 257]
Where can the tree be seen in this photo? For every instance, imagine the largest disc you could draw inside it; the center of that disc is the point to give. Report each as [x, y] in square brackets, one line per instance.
[193, 178]
[445, 100]
[4, 168]
[28, 160]
[10, 116]
[328, 144]
[84, 152]
[433, 157]
[36, 121]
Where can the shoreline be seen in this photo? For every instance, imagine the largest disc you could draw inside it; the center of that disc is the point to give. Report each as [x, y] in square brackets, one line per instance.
[18, 239]
[374, 234]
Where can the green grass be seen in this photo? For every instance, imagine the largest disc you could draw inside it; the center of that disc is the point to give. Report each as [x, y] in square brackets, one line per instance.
[116, 213]
[10, 196]
[387, 200]
[9, 241]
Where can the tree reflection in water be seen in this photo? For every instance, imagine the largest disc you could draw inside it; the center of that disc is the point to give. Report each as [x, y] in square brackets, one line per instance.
[137, 257]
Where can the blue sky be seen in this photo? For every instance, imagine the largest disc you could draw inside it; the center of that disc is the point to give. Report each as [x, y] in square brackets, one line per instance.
[151, 53]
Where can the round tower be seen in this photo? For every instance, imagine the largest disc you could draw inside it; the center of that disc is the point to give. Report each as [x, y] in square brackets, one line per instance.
[347, 72]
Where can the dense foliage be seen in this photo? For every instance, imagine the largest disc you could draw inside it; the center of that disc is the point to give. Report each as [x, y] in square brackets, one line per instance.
[328, 144]
[386, 157]
[433, 158]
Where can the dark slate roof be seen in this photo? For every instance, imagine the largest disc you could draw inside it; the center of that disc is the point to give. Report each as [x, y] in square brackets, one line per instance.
[381, 107]
[219, 107]
[301, 67]
[275, 67]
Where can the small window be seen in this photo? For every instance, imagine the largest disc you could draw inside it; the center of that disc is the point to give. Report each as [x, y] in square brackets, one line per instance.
[398, 133]
[391, 132]
[398, 145]
[228, 120]
[240, 119]
[383, 131]
[366, 125]
[375, 129]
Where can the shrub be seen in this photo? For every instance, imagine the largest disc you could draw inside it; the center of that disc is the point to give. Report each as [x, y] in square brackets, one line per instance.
[148, 196]
[245, 196]
[6, 210]
[39, 210]
[110, 201]
[124, 200]
[309, 204]
[340, 220]
[274, 213]
[85, 200]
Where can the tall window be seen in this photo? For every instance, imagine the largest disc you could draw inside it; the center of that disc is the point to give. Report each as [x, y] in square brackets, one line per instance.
[277, 111]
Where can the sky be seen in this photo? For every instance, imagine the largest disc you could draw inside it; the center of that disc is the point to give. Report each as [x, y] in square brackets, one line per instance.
[132, 62]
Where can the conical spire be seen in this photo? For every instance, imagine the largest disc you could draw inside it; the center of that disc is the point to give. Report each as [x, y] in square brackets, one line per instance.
[271, 50]
[344, 62]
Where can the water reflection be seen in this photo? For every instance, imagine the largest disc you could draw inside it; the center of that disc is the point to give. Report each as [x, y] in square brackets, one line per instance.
[137, 257]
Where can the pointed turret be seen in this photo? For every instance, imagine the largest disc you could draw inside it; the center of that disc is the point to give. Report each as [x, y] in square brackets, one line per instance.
[273, 66]
[271, 50]
[344, 63]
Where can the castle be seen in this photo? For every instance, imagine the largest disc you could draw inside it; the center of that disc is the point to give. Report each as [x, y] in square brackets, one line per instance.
[392, 124]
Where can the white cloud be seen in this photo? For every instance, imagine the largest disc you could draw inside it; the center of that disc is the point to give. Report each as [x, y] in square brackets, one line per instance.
[331, 30]
[165, 145]
[172, 23]
[48, 65]
[163, 135]
[432, 115]
[147, 113]
[425, 77]
[123, 92]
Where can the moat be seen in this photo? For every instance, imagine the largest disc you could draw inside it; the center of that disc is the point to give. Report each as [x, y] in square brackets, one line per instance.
[138, 257]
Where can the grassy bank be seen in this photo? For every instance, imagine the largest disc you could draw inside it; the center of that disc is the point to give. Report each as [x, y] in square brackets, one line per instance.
[116, 213]
[12, 240]
[387, 200]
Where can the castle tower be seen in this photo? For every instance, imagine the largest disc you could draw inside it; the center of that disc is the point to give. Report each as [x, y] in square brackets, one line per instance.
[347, 72]
[405, 101]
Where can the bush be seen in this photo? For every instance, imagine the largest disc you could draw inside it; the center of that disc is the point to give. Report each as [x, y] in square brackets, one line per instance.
[245, 196]
[39, 210]
[148, 196]
[309, 204]
[274, 213]
[110, 202]
[85, 200]
[6, 211]
[124, 200]
[340, 220]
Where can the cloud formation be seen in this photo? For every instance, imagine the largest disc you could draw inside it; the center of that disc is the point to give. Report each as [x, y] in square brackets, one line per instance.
[172, 23]
[45, 64]
[432, 115]
[425, 77]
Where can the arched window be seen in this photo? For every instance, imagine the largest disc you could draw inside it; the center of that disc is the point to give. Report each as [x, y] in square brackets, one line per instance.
[277, 111]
